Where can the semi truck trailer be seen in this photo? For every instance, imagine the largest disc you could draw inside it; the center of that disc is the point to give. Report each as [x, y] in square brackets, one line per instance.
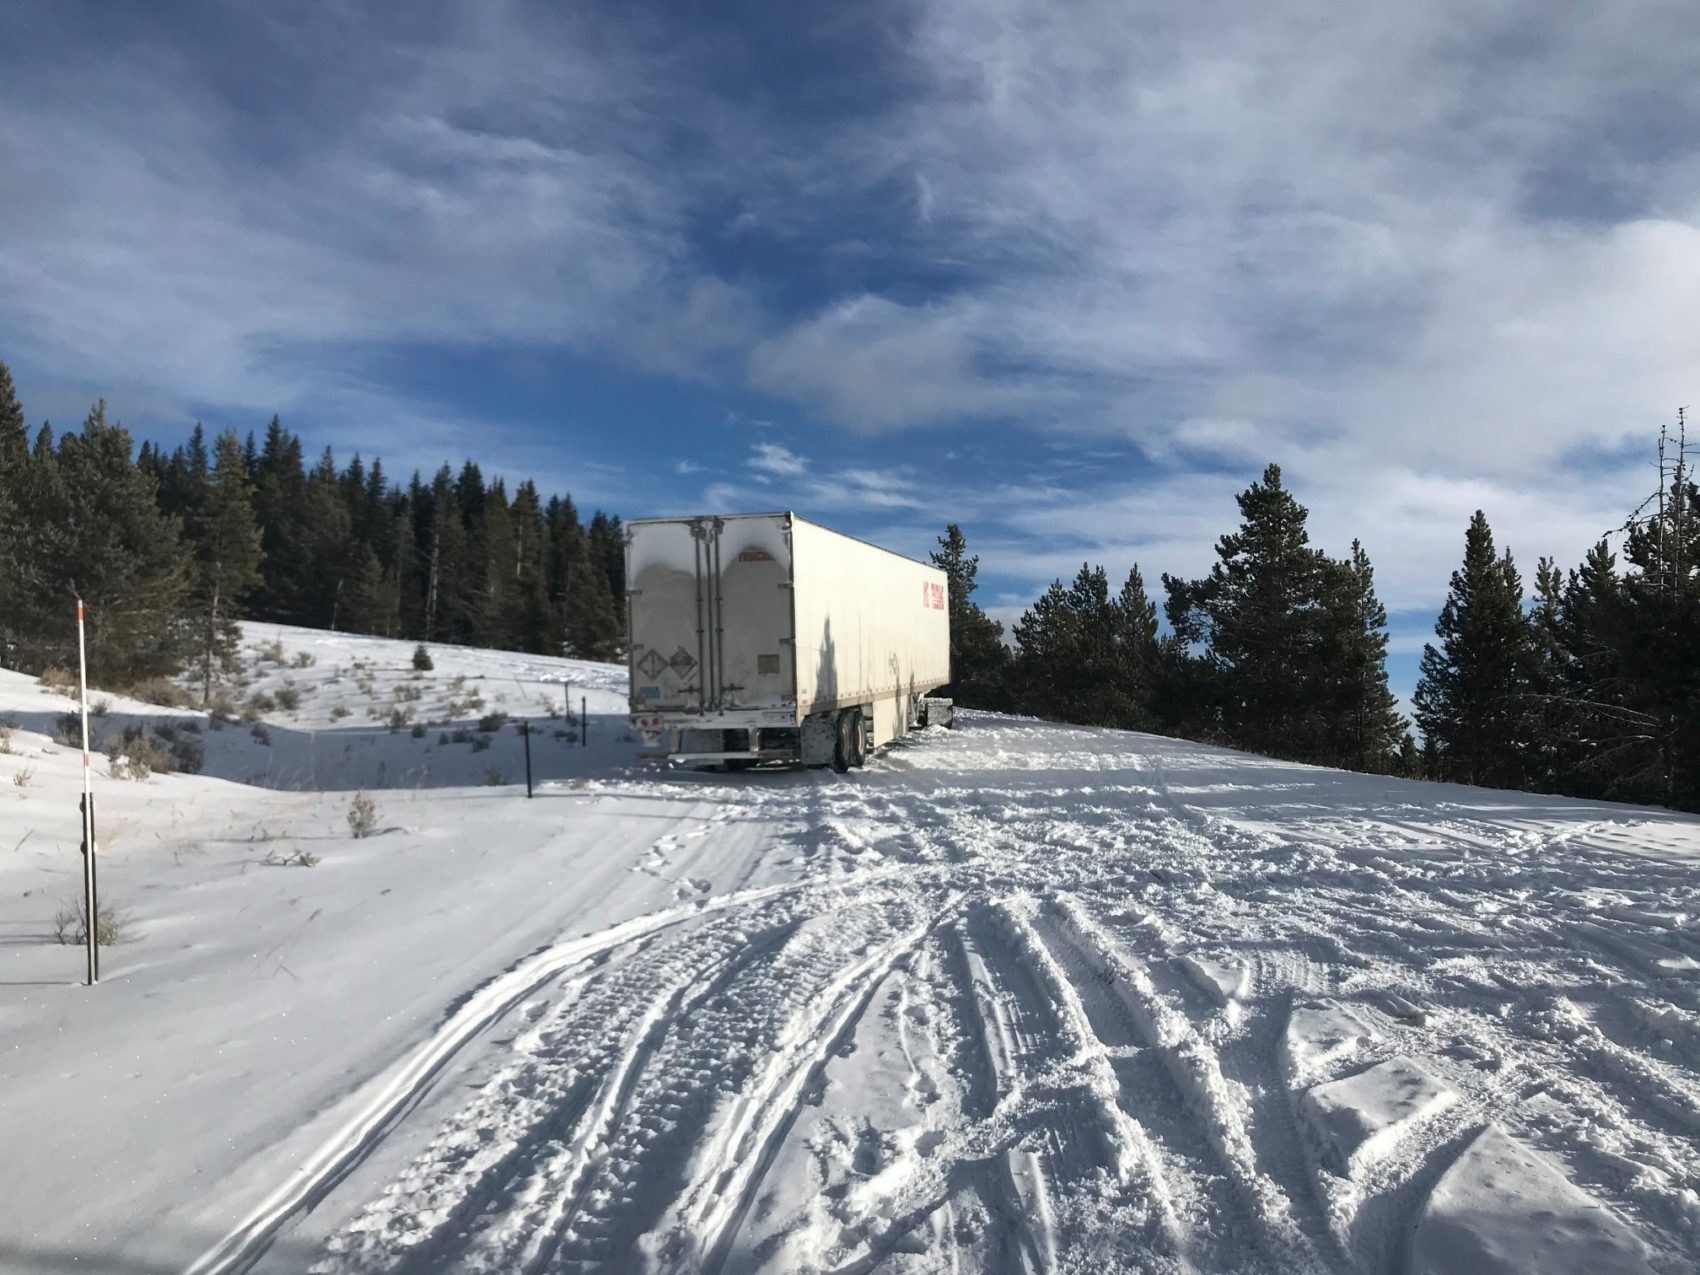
[767, 638]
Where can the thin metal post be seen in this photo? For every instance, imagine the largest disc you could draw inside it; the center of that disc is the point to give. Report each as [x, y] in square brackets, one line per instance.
[90, 902]
[525, 730]
[583, 724]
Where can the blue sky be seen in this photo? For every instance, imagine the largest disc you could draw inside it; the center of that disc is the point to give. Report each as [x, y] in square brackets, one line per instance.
[1067, 274]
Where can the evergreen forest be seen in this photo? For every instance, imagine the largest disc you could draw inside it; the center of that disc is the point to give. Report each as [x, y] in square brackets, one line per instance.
[170, 551]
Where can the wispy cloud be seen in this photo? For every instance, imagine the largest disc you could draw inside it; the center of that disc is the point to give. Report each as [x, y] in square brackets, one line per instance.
[774, 458]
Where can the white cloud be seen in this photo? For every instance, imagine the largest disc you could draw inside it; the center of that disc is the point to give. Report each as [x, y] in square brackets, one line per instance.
[774, 458]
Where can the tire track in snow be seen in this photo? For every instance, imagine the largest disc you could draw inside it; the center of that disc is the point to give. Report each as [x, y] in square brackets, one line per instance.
[1222, 1106]
[527, 1240]
[706, 1092]
[393, 1094]
[482, 1161]
[1203, 1217]
[1000, 1086]
[714, 1208]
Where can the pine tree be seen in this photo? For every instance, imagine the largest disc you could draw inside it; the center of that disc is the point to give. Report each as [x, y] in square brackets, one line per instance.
[1473, 696]
[330, 558]
[978, 657]
[496, 621]
[280, 502]
[607, 546]
[1552, 721]
[1594, 693]
[14, 461]
[226, 543]
[14, 434]
[1137, 655]
[1256, 613]
[1360, 724]
[117, 550]
[446, 603]
[1044, 644]
[184, 479]
[1659, 649]
[535, 630]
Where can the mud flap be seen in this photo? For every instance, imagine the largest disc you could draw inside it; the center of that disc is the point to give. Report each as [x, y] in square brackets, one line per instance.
[817, 736]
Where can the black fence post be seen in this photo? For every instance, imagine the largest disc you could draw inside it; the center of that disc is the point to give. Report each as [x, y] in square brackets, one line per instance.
[583, 723]
[525, 732]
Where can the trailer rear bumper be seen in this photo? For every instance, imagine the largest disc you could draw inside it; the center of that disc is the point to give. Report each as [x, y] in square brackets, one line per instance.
[752, 735]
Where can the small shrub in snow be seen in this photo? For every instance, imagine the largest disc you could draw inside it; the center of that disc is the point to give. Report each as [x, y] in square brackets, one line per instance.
[58, 680]
[222, 706]
[272, 651]
[362, 815]
[136, 755]
[259, 702]
[164, 692]
[22, 779]
[300, 859]
[261, 734]
[188, 753]
[418, 730]
[101, 708]
[422, 659]
[303, 659]
[474, 702]
[494, 778]
[480, 743]
[69, 730]
[289, 697]
[492, 721]
[444, 738]
[338, 713]
[7, 726]
[457, 681]
[71, 925]
[408, 693]
[399, 717]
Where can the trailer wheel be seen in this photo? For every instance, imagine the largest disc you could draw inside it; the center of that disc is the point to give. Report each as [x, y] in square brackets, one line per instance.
[843, 743]
[858, 739]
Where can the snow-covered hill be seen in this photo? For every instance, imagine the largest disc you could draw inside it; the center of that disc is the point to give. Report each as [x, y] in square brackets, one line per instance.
[1017, 996]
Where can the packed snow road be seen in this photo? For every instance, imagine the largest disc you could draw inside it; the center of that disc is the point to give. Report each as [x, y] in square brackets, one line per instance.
[1033, 998]
[1017, 997]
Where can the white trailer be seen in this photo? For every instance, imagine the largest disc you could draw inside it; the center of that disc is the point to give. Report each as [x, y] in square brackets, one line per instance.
[766, 637]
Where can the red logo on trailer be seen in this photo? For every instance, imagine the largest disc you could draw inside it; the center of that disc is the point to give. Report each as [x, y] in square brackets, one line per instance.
[932, 595]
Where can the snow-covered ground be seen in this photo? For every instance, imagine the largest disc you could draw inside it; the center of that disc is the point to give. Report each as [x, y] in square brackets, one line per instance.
[1017, 996]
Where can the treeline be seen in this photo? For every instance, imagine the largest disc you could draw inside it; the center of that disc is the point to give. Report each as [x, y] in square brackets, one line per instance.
[1589, 688]
[171, 550]
[1280, 649]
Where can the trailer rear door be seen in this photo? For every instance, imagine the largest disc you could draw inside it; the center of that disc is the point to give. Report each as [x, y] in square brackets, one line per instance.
[710, 613]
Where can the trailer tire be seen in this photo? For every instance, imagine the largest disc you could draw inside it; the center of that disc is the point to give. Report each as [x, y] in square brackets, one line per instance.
[858, 740]
[843, 744]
